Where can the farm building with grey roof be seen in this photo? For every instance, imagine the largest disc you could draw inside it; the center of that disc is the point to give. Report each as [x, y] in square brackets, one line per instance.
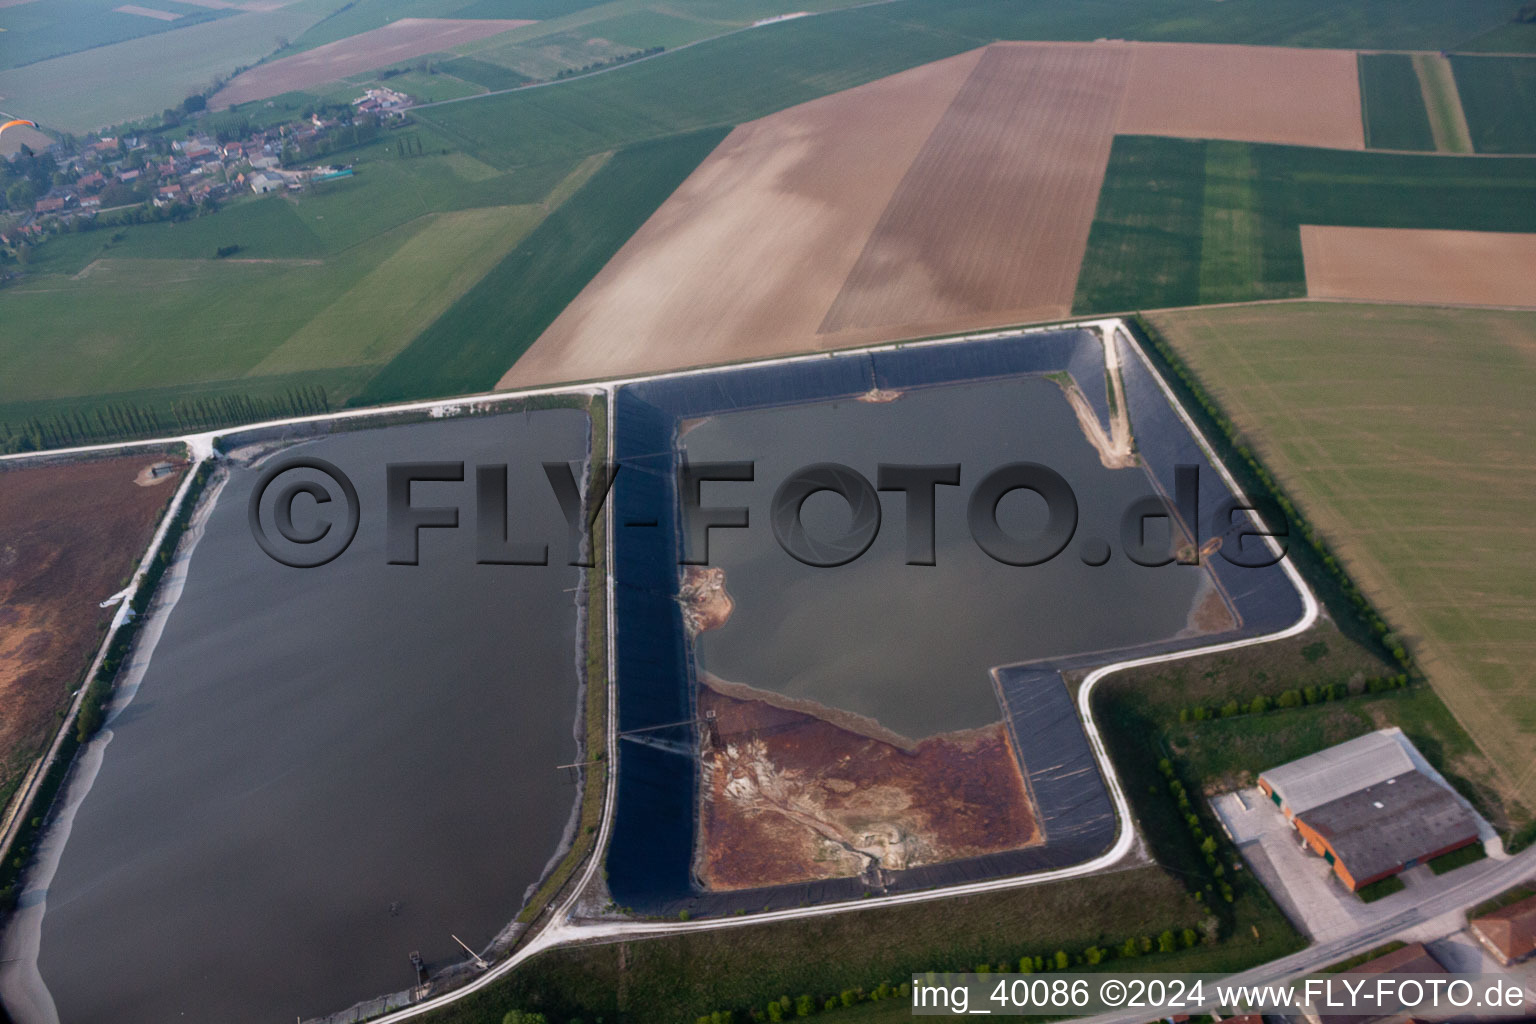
[1366, 808]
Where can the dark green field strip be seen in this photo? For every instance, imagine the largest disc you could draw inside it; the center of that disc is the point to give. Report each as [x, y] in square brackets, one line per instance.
[1144, 247]
[1498, 96]
[1175, 226]
[484, 73]
[1392, 103]
[484, 332]
[723, 82]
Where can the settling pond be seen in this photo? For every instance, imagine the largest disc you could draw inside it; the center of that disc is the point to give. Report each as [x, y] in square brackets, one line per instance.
[327, 769]
[916, 649]
[912, 646]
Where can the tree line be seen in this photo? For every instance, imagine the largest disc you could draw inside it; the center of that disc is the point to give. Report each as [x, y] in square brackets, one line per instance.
[122, 421]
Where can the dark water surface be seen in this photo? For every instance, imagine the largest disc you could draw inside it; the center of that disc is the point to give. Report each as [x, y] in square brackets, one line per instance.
[327, 769]
[911, 646]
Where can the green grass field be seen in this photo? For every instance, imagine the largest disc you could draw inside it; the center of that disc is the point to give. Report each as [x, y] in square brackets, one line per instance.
[1511, 37]
[1392, 103]
[1402, 433]
[677, 979]
[147, 314]
[38, 31]
[479, 338]
[483, 73]
[1443, 103]
[1181, 223]
[1498, 95]
[109, 84]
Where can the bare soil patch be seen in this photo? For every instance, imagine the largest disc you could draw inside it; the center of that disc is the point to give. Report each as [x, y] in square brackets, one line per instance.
[69, 536]
[1470, 268]
[790, 797]
[1245, 93]
[399, 40]
[745, 258]
[991, 220]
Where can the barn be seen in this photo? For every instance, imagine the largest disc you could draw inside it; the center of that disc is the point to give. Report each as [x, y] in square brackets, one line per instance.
[1366, 808]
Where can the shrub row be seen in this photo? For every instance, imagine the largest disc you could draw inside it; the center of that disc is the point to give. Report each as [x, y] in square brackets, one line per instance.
[1209, 844]
[1295, 698]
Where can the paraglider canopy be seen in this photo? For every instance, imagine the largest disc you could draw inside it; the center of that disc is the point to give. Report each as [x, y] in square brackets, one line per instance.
[17, 121]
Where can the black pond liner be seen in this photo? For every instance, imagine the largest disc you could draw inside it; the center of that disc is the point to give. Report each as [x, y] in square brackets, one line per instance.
[650, 856]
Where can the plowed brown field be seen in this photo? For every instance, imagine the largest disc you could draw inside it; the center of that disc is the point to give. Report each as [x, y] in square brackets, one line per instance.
[69, 536]
[1467, 268]
[955, 196]
[991, 221]
[397, 41]
[748, 254]
[1245, 93]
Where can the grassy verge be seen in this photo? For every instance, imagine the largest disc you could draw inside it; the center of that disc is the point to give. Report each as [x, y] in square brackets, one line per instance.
[741, 969]
[1363, 958]
[1458, 859]
[1380, 890]
[1502, 900]
[594, 748]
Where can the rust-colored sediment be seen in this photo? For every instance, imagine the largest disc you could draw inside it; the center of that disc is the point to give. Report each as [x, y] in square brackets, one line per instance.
[706, 604]
[70, 534]
[789, 797]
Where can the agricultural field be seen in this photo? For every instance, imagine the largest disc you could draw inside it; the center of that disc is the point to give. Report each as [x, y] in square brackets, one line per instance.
[1498, 96]
[859, 248]
[1474, 268]
[35, 31]
[1403, 434]
[323, 291]
[1270, 94]
[1442, 100]
[1392, 102]
[107, 85]
[1148, 245]
[483, 73]
[469, 347]
[72, 533]
[401, 40]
